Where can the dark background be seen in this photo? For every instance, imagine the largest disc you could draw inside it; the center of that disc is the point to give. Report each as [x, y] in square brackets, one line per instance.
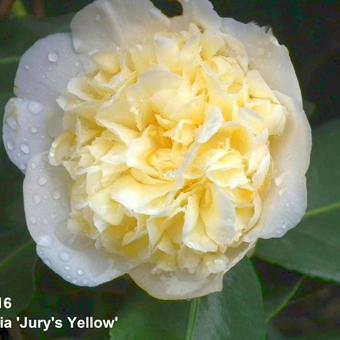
[310, 30]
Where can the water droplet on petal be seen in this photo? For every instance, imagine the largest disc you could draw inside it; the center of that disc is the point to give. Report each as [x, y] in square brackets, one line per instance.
[56, 195]
[80, 272]
[10, 146]
[26, 67]
[11, 123]
[52, 57]
[98, 17]
[23, 167]
[67, 268]
[35, 107]
[36, 199]
[34, 130]
[64, 256]
[74, 282]
[33, 220]
[42, 181]
[44, 241]
[33, 166]
[45, 221]
[25, 149]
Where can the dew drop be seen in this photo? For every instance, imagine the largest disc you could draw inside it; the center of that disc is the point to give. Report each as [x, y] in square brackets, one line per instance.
[26, 67]
[56, 195]
[33, 166]
[45, 221]
[23, 167]
[68, 277]
[11, 123]
[48, 263]
[34, 130]
[35, 107]
[25, 149]
[33, 220]
[171, 174]
[98, 17]
[52, 57]
[42, 181]
[281, 192]
[44, 241]
[67, 268]
[36, 199]
[10, 146]
[80, 272]
[74, 282]
[64, 256]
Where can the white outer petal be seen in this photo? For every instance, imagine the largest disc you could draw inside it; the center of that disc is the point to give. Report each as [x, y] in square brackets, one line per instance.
[46, 199]
[182, 285]
[267, 56]
[201, 12]
[25, 130]
[175, 286]
[106, 23]
[45, 69]
[43, 73]
[286, 202]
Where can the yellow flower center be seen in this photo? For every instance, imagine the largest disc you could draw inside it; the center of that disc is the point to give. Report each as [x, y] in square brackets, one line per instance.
[168, 146]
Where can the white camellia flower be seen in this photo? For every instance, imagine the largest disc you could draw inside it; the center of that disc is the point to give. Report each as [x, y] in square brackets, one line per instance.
[158, 147]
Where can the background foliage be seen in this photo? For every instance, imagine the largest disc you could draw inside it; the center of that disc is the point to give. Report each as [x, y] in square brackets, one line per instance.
[288, 290]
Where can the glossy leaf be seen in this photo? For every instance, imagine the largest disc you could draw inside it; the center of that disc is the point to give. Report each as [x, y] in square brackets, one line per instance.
[234, 313]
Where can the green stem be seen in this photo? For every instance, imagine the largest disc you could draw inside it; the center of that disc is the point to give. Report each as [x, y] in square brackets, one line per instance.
[9, 60]
[323, 210]
[193, 314]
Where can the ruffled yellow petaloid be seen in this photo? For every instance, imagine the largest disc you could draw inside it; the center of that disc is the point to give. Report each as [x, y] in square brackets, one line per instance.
[168, 144]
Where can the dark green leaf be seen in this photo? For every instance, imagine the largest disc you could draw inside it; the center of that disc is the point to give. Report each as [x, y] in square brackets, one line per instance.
[144, 317]
[313, 246]
[17, 261]
[278, 298]
[235, 313]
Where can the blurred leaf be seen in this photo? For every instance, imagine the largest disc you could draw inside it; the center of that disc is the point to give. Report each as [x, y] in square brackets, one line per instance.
[324, 335]
[313, 246]
[17, 261]
[273, 333]
[278, 298]
[58, 298]
[235, 313]
[279, 287]
[144, 317]
[310, 109]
